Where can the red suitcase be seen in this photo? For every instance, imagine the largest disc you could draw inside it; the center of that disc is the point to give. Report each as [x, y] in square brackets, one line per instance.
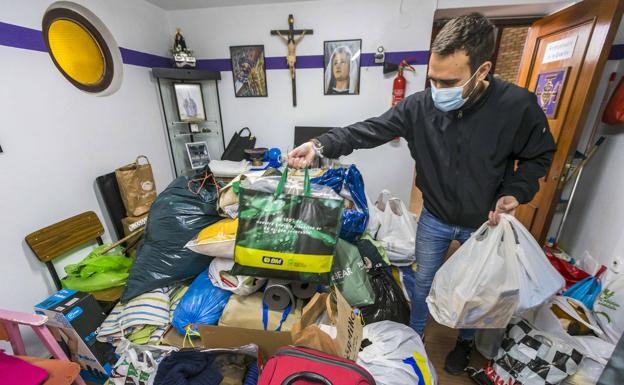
[301, 366]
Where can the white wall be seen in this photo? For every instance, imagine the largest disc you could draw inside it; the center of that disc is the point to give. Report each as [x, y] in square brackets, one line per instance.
[57, 139]
[596, 220]
[210, 33]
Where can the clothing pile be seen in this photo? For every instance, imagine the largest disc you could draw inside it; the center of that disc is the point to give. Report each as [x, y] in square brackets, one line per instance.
[144, 319]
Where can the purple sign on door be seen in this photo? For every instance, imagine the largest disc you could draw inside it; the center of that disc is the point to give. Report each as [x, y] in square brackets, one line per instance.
[550, 89]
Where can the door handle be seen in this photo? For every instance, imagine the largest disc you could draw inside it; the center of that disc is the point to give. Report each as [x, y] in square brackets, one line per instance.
[560, 177]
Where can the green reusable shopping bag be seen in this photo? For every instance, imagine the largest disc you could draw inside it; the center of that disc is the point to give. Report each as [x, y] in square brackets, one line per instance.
[286, 236]
[98, 272]
[350, 276]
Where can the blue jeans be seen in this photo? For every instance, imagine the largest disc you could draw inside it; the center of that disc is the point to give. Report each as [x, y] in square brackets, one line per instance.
[433, 238]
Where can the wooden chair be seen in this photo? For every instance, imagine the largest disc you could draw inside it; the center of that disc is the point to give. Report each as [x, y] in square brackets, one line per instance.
[58, 239]
[61, 371]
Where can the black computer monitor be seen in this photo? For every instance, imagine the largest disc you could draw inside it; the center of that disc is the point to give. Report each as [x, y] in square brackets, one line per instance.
[305, 133]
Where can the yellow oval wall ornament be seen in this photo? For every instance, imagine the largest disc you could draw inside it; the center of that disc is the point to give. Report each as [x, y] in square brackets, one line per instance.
[82, 48]
[76, 52]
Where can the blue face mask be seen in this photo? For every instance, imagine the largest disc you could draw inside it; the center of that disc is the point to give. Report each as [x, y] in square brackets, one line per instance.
[449, 99]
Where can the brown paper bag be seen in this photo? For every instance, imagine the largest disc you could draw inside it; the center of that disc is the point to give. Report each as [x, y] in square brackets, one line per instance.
[348, 326]
[136, 186]
[245, 311]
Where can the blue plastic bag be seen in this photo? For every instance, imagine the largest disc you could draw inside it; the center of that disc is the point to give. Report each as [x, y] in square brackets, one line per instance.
[586, 290]
[202, 303]
[354, 221]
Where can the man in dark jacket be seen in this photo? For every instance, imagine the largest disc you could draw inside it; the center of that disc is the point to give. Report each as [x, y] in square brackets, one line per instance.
[480, 145]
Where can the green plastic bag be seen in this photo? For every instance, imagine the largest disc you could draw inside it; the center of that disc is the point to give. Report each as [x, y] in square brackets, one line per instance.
[350, 276]
[98, 272]
[286, 236]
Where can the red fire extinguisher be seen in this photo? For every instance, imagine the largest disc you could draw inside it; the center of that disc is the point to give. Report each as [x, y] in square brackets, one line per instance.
[398, 86]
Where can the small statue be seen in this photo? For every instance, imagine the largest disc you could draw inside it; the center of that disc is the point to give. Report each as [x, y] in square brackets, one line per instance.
[182, 56]
[179, 44]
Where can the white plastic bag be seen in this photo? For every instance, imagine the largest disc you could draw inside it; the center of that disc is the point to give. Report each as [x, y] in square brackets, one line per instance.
[373, 218]
[397, 229]
[478, 287]
[593, 365]
[488, 341]
[539, 280]
[530, 356]
[132, 370]
[219, 274]
[609, 309]
[396, 355]
[596, 351]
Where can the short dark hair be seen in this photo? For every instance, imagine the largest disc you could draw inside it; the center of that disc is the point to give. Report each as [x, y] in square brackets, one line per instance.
[473, 33]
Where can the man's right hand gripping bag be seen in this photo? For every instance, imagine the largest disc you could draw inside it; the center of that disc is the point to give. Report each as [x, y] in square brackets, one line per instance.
[478, 286]
[287, 235]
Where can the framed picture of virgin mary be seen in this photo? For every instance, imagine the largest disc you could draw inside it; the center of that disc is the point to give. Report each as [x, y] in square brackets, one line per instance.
[342, 67]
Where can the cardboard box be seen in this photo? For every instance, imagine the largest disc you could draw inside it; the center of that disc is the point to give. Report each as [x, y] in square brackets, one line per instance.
[214, 337]
[229, 337]
[129, 226]
[74, 317]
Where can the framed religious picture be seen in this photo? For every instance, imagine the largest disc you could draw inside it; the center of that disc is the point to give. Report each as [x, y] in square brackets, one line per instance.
[190, 102]
[198, 154]
[549, 90]
[248, 70]
[342, 67]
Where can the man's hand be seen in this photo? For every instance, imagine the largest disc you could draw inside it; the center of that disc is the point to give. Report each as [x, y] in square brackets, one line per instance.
[302, 156]
[506, 204]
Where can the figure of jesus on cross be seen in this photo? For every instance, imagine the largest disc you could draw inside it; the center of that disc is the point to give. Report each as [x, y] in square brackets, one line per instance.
[292, 41]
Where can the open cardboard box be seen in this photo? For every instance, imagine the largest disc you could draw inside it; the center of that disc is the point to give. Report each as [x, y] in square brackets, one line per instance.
[213, 337]
[346, 344]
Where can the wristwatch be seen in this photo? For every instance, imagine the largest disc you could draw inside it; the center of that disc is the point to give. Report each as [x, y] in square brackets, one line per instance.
[318, 147]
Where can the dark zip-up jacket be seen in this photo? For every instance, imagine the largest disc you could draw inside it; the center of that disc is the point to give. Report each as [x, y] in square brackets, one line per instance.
[465, 159]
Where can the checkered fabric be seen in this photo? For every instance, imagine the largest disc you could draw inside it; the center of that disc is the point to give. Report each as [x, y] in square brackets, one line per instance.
[528, 356]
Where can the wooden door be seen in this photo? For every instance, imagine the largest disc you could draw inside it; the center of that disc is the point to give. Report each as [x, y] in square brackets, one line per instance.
[572, 44]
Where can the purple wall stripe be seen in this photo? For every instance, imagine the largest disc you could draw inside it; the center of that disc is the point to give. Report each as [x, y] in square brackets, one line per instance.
[214, 64]
[143, 59]
[413, 57]
[316, 61]
[21, 37]
[26, 38]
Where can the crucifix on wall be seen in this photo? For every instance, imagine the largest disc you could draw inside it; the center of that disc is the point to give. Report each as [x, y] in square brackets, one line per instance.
[292, 37]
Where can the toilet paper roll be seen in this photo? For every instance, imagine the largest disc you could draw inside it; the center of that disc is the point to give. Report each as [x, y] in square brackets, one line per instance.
[277, 295]
[303, 290]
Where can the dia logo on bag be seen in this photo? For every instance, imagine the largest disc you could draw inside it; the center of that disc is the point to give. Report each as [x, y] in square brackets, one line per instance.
[272, 260]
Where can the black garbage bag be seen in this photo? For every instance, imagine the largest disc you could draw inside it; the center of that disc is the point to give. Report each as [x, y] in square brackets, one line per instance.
[178, 214]
[390, 303]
